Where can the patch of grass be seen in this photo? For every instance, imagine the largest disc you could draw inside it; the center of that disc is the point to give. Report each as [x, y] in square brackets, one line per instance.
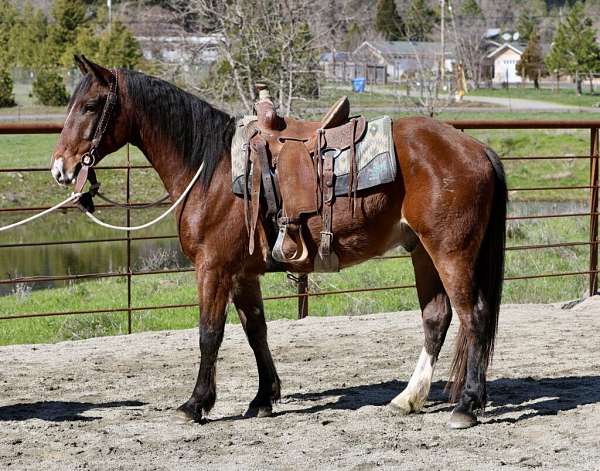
[566, 96]
[180, 289]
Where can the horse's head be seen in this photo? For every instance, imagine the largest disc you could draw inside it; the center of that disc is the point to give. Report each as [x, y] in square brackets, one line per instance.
[95, 124]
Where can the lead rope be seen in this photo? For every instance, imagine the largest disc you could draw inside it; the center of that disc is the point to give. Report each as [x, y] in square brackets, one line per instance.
[154, 221]
[76, 196]
[73, 197]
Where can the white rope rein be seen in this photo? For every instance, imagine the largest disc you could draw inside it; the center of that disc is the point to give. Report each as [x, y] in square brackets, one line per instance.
[39, 215]
[75, 196]
[154, 221]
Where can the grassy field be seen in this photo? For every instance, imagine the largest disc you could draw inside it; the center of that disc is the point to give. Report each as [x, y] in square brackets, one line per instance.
[564, 97]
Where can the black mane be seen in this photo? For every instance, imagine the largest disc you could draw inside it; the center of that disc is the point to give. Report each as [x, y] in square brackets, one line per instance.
[198, 131]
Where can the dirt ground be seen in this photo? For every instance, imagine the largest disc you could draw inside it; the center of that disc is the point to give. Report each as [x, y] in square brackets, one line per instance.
[108, 403]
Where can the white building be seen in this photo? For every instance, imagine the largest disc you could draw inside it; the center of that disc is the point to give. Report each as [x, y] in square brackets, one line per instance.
[505, 59]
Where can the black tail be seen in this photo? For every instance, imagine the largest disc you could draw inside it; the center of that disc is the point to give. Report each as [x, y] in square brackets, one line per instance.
[489, 273]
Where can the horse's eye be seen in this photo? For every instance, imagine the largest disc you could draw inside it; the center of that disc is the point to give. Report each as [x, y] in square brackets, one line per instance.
[89, 107]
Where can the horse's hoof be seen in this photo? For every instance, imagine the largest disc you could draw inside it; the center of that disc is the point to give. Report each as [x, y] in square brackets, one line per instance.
[461, 419]
[401, 407]
[259, 412]
[184, 415]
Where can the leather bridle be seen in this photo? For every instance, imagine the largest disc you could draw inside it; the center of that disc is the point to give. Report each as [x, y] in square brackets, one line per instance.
[89, 159]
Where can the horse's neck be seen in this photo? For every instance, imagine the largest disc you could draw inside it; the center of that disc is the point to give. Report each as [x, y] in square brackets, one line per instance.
[165, 159]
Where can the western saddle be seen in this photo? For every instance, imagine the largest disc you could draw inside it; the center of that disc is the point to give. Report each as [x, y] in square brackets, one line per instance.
[293, 173]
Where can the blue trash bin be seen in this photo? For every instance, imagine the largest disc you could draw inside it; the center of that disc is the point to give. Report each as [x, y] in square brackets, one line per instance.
[358, 84]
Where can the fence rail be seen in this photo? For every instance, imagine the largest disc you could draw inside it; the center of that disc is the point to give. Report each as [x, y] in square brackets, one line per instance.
[303, 292]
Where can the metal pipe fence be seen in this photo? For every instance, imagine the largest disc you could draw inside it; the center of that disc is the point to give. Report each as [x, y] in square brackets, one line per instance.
[304, 293]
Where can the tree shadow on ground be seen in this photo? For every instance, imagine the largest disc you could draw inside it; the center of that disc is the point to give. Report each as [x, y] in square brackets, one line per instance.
[59, 411]
[529, 396]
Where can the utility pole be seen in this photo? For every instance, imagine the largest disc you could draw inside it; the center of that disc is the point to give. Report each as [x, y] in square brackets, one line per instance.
[443, 60]
[109, 5]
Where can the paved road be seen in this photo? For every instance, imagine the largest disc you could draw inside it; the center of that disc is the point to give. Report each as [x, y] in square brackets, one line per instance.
[7, 118]
[529, 105]
[513, 104]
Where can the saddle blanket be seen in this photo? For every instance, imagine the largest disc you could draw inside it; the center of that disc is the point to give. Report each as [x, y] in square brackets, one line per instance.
[375, 158]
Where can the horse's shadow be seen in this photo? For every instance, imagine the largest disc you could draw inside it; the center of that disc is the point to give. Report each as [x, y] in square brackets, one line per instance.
[59, 411]
[533, 397]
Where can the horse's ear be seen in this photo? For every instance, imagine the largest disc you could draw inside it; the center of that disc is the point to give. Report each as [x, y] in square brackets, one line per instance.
[80, 64]
[102, 74]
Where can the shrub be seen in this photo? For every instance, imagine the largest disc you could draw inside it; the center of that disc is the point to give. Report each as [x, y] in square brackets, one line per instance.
[49, 88]
[6, 89]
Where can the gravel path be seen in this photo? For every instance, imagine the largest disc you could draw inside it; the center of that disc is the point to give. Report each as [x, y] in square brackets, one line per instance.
[107, 403]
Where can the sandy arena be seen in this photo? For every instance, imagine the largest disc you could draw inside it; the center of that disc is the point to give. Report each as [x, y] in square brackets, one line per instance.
[108, 403]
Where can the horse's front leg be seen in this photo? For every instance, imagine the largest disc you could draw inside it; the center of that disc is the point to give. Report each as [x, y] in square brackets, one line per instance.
[248, 301]
[214, 286]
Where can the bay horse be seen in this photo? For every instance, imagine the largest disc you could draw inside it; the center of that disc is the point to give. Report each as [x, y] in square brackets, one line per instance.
[447, 207]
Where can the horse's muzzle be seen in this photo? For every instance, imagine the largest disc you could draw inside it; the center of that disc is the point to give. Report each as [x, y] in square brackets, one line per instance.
[61, 175]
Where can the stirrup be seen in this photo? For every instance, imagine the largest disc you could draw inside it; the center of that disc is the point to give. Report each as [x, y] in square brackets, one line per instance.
[301, 253]
[326, 260]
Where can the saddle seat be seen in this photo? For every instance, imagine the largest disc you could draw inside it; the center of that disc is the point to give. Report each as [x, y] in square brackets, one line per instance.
[292, 162]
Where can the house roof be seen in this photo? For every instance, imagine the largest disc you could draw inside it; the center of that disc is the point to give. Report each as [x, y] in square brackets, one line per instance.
[516, 47]
[391, 49]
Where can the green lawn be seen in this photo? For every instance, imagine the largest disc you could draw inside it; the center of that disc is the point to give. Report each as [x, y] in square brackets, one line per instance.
[564, 97]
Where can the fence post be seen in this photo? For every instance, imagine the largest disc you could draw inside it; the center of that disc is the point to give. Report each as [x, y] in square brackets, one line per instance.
[128, 220]
[302, 300]
[594, 157]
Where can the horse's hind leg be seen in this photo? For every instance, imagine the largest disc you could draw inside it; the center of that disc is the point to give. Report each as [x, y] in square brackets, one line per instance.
[213, 290]
[436, 316]
[247, 298]
[474, 341]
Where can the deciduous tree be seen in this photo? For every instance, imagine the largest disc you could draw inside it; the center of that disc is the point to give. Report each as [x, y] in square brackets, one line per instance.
[264, 42]
[468, 29]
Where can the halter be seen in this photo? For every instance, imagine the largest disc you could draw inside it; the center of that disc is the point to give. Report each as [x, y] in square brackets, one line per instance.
[89, 159]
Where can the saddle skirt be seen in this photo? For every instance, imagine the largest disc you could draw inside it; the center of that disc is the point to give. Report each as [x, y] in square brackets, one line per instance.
[375, 157]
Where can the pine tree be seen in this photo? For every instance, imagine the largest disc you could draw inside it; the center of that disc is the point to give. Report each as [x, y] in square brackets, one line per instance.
[9, 17]
[49, 88]
[388, 22]
[119, 48]
[7, 98]
[529, 18]
[420, 20]
[30, 37]
[526, 25]
[531, 65]
[574, 48]
[557, 60]
[68, 16]
[470, 9]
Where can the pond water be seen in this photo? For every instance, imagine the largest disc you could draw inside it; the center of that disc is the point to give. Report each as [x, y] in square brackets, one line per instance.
[70, 258]
[110, 257]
